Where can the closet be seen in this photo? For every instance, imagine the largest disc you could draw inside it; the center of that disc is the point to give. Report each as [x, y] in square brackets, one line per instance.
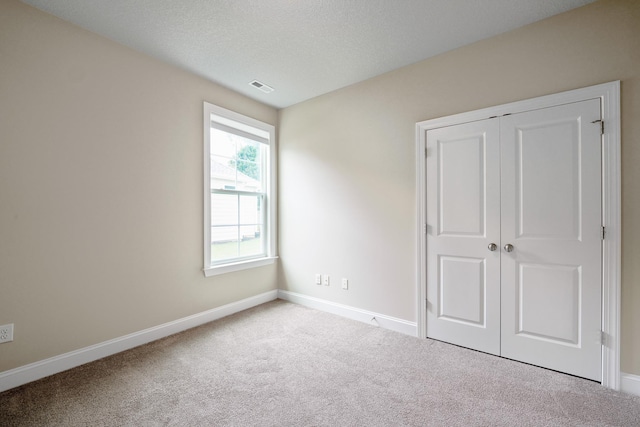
[514, 232]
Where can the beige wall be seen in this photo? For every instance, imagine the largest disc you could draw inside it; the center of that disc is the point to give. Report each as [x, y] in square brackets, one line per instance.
[347, 159]
[100, 189]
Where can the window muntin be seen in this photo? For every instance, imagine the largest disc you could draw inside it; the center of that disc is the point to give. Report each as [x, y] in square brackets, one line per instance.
[239, 206]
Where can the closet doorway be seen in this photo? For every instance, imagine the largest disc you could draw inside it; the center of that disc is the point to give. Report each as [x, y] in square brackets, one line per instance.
[515, 214]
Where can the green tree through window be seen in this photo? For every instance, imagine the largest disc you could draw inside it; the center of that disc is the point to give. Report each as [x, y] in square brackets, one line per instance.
[246, 161]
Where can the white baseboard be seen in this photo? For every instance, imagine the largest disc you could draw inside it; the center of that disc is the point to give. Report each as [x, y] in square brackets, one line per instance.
[34, 371]
[630, 383]
[376, 319]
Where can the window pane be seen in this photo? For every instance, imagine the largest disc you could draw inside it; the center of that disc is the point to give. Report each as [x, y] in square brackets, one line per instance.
[237, 163]
[224, 243]
[248, 161]
[223, 173]
[224, 209]
[251, 225]
[250, 210]
[236, 226]
[222, 144]
[252, 241]
[249, 176]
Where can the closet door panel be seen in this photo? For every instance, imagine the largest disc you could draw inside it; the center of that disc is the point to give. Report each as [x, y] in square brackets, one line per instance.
[463, 219]
[551, 216]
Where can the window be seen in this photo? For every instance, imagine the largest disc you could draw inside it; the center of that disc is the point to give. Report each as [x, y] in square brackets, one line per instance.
[239, 199]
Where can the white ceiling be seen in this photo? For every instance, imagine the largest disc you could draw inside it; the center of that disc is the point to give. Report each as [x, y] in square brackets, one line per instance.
[301, 48]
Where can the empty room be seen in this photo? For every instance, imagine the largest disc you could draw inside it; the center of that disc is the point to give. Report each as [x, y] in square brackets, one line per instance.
[319, 213]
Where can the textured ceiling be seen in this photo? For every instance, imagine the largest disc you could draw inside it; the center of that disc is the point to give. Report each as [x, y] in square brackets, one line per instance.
[301, 48]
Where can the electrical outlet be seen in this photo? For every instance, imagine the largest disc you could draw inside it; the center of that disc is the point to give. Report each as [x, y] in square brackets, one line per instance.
[345, 284]
[326, 280]
[318, 279]
[6, 333]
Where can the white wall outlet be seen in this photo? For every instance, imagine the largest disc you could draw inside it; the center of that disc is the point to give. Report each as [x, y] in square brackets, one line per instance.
[326, 280]
[318, 279]
[6, 333]
[345, 284]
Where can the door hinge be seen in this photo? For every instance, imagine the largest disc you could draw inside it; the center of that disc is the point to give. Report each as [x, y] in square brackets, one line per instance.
[424, 228]
[603, 338]
[426, 152]
[604, 232]
[601, 125]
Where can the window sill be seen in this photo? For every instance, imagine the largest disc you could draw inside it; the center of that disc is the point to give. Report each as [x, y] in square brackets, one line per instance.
[237, 266]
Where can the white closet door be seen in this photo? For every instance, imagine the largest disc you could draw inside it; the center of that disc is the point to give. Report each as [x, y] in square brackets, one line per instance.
[551, 215]
[463, 219]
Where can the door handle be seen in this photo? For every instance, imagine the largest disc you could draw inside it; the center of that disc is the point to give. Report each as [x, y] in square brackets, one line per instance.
[508, 247]
[492, 247]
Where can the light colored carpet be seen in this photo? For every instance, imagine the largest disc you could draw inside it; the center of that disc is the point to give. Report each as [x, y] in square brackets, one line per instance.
[281, 364]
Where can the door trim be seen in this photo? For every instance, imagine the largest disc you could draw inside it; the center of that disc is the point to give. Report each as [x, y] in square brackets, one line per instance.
[609, 94]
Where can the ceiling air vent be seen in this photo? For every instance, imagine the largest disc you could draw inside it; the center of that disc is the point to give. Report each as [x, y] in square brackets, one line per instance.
[263, 87]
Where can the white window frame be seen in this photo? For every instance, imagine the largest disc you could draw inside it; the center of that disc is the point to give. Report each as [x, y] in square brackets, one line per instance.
[270, 224]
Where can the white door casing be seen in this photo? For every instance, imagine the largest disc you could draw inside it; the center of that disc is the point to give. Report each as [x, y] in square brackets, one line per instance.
[608, 96]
